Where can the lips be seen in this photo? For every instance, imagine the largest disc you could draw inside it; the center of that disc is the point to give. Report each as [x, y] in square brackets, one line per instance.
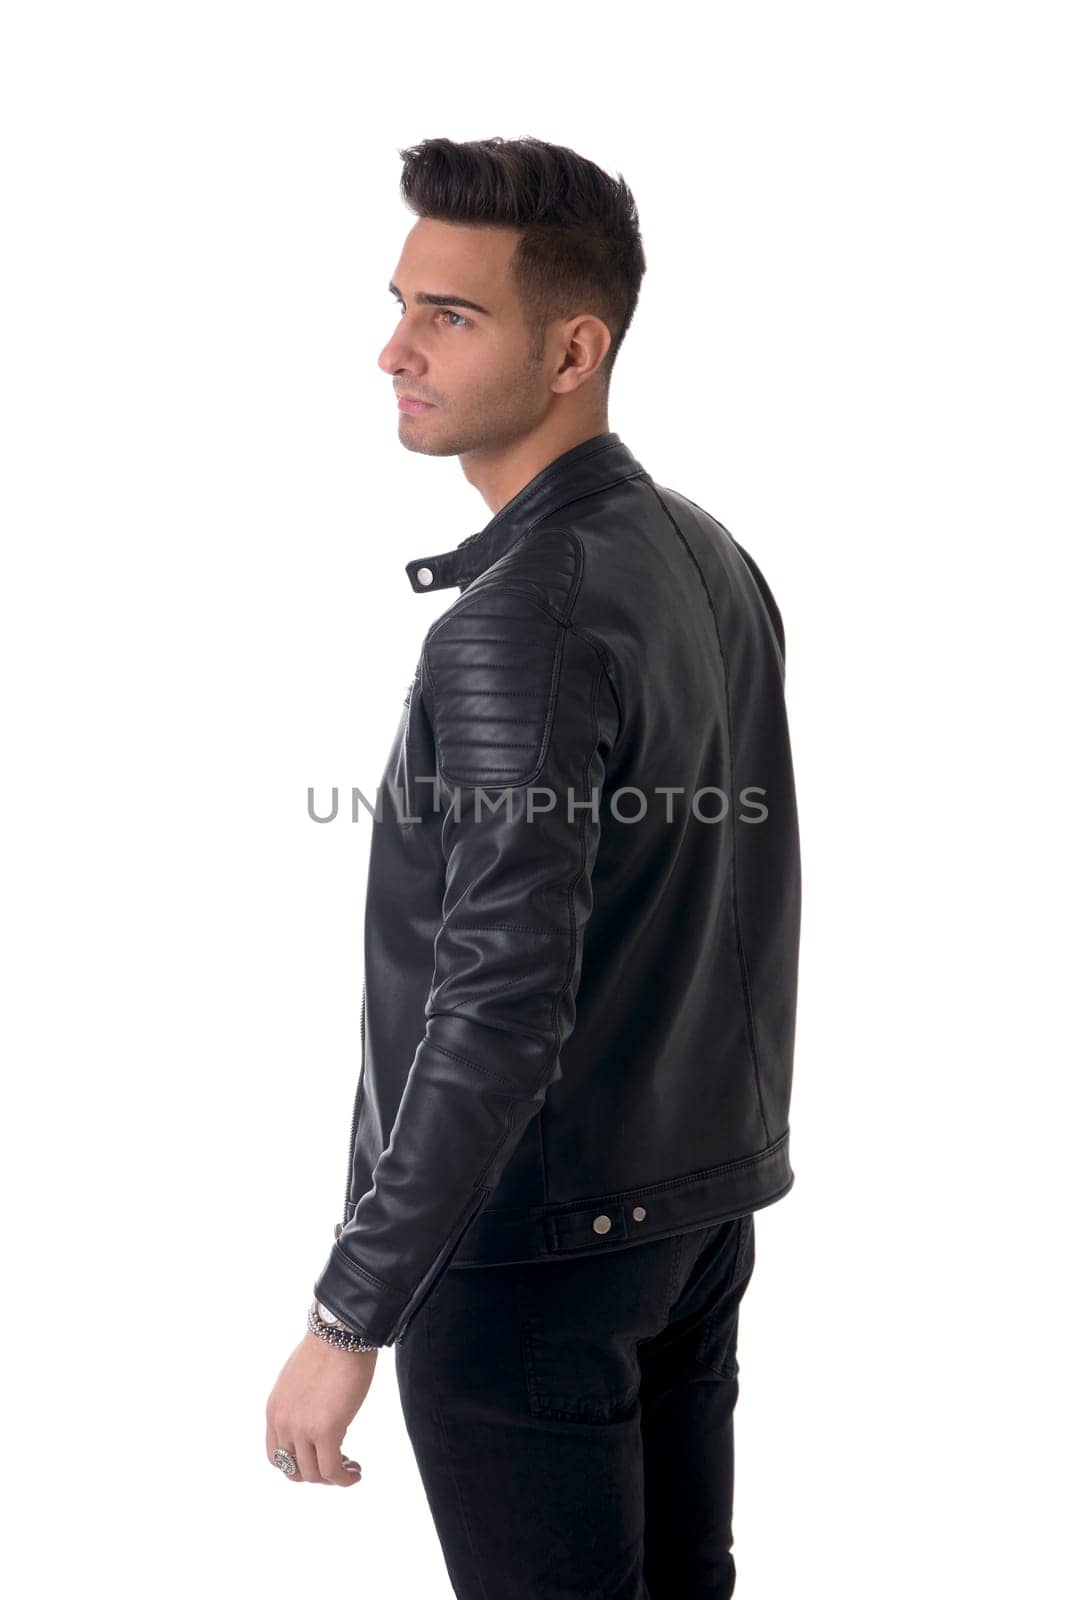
[409, 402]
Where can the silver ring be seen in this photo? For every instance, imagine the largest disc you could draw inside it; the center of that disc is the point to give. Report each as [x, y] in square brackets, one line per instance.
[286, 1462]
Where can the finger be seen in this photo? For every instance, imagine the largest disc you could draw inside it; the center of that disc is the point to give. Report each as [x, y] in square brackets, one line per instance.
[331, 1463]
[304, 1451]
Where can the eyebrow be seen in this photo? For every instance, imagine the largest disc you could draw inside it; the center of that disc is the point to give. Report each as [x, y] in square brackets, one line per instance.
[443, 300]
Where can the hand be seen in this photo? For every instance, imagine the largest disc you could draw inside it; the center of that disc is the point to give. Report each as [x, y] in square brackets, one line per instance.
[315, 1397]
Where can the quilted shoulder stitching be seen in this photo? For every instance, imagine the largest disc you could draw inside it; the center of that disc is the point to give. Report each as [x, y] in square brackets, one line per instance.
[494, 671]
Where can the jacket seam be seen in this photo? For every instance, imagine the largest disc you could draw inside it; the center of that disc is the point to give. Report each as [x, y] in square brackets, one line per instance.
[575, 876]
[601, 646]
[645, 1190]
[466, 1061]
[746, 987]
[772, 607]
[353, 1266]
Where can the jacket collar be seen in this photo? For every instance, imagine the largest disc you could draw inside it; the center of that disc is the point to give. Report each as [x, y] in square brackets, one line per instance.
[594, 464]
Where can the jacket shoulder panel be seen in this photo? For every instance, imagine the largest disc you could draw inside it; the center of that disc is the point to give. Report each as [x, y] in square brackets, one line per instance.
[546, 561]
[492, 666]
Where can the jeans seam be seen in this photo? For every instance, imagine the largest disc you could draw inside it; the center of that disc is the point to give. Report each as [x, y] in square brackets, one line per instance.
[676, 1262]
[442, 1427]
[712, 1325]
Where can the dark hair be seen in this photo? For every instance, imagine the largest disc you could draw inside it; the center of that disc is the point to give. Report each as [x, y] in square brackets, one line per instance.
[580, 248]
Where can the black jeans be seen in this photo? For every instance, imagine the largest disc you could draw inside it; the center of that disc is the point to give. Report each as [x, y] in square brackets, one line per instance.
[572, 1420]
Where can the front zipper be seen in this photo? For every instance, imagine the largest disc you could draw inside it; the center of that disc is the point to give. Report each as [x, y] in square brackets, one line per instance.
[359, 1098]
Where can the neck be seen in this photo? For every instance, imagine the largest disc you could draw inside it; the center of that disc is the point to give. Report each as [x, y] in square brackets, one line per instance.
[498, 474]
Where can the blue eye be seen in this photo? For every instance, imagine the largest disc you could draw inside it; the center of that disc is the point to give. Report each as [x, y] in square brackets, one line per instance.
[444, 312]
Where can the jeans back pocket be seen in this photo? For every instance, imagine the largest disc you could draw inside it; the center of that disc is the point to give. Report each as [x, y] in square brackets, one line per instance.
[581, 1322]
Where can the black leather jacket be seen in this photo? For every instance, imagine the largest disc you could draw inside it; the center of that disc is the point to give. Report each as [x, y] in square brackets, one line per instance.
[611, 636]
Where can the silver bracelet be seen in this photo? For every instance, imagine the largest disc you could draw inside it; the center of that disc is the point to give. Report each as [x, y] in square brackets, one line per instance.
[342, 1337]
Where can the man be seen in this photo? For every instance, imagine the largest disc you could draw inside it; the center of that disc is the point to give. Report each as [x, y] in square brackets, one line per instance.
[549, 1198]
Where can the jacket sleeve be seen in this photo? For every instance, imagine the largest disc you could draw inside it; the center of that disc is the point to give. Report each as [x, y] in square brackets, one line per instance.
[523, 719]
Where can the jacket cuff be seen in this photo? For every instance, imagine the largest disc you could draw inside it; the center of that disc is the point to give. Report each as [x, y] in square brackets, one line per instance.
[368, 1306]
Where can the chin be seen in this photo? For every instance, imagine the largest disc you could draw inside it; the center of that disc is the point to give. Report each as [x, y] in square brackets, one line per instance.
[412, 440]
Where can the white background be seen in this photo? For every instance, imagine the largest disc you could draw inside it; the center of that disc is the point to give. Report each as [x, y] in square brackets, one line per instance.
[850, 348]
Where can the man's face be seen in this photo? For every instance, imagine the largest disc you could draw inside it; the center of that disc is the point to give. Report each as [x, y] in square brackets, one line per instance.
[474, 366]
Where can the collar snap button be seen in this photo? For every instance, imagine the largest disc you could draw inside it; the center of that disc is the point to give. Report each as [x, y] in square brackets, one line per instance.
[601, 1224]
[425, 575]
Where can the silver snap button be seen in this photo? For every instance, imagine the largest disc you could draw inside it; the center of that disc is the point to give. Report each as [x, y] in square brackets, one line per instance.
[602, 1224]
[639, 1213]
[425, 575]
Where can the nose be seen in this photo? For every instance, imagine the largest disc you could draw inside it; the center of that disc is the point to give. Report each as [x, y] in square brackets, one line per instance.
[400, 355]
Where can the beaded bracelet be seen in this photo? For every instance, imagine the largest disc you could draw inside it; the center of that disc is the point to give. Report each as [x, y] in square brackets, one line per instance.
[343, 1338]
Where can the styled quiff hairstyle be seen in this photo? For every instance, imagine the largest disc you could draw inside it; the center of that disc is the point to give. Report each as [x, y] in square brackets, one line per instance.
[580, 248]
